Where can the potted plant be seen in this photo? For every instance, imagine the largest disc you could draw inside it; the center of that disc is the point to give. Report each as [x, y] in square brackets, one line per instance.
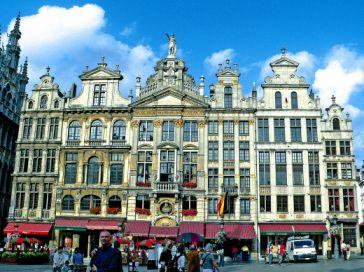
[8, 257]
[143, 184]
[189, 184]
[191, 212]
[142, 211]
[95, 210]
[113, 210]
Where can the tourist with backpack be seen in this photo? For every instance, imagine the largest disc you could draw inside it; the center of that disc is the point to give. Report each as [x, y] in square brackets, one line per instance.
[208, 262]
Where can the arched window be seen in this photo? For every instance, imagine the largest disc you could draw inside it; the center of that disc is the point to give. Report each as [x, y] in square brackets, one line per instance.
[43, 102]
[96, 130]
[294, 102]
[189, 203]
[278, 100]
[90, 201]
[68, 203]
[115, 202]
[335, 124]
[56, 104]
[228, 98]
[118, 132]
[74, 130]
[30, 105]
[93, 170]
[142, 202]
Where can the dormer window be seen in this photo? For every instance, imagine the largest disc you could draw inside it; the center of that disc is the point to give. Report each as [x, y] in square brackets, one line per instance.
[30, 105]
[278, 100]
[99, 95]
[56, 104]
[294, 102]
[335, 124]
[43, 102]
[228, 98]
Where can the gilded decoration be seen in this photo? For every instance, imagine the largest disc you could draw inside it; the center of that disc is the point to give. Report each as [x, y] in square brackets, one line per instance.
[194, 113]
[236, 121]
[178, 123]
[165, 221]
[221, 122]
[251, 121]
[135, 123]
[157, 123]
[165, 208]
[201, 124]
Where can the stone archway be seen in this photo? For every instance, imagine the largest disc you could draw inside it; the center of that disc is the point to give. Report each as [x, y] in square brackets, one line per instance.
[165, 222]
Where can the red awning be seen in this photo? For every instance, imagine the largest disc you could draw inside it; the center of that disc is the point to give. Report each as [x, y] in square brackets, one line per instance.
[276, 228]
[137, 228]
[94, 224]
[163, 231]
[310, 228]
[71, 224]
[191, 227]
[29, 228]
[211, 230]
[233, 231]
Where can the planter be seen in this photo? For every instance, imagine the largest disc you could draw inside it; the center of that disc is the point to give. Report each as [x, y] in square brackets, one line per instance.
[189, 184]
[144, 184]
[8, 260]
[192, 212]
[142, 211]
[95, 210]
[113, 210]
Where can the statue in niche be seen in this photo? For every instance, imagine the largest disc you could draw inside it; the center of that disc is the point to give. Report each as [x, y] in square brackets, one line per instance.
[172, 48]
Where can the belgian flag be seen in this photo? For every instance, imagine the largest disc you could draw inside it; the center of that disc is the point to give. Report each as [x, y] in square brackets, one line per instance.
[221, 205]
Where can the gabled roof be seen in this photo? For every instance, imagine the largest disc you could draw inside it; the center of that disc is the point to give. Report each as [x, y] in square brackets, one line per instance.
[284, 61]
[101, 72]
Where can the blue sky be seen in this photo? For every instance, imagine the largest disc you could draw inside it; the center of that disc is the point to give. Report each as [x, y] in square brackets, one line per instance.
[326, 37]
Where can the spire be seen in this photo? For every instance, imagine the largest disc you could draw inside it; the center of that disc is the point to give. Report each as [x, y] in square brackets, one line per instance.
[25, 68]
[17, 23]
[102, 63]
[283, 51]
[333, 99]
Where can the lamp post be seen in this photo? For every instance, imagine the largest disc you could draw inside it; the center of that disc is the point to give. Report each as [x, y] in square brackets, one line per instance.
[335, 233]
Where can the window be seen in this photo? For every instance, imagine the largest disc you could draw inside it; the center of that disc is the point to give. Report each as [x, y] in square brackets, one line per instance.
[244, 151]
[228, 127]
[349, 233]
[228, 98]
[190, 131]
[96, 130]
[213, 178]
[346, 170]
[282, 205]
[24, 160]
[144, 170]
[116, 168]
[146, 131]
[56, 104]
[118, 131]
[142, 202]
[243, 128]
[265, 203]
[228, 152]
[314, 167]
[53, 128]
[297, 168]
[99, 95]
[68, 203]
[264, 168]
[30, 105]
[335, 124]
[244, 206]
[190, 166]
[189, 203]
[279, 134]
[345, 148]
[278, 100]
[115, 202]
[51, 160]
[39, 134]
[43, 102]
[245, 180]
[330, 148]
[168, 131]
[348, 195]
[37, 160]
[27, 129]
[229, 177]
[315, 203]
[213, 127]
[311, 128]
[212, 205]
[93, 170]
[294, 102]
[331, 170]
[263, 130]
[281, 168]
[299, 203]
[47, 196]
[167, 158]
[296, 130]
[71, 168]
[90, 201]
[334, 200]
[33, 196]
[229, 207]
[20, 196]
[74, 130]
[213, 152]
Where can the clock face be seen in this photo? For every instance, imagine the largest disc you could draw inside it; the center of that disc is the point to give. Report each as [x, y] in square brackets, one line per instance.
[166, 208]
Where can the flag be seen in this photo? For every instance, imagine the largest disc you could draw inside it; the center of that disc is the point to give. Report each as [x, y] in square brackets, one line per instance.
[221, 205]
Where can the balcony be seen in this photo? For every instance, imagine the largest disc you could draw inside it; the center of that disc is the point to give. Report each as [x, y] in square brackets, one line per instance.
[166, 187]
[231, 190]
[73, 142]
[18, 213]
[229, 164]
[95, 142]
[264, 189]
[118, 142]
[45, 214]
[245, 190]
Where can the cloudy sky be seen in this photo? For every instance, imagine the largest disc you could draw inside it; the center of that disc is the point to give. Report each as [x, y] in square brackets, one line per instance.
[326, 37]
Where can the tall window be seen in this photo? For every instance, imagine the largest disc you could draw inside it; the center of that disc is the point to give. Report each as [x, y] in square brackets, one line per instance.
[244, 151]
[348, 195]
[144, 170]
[118, 131]
[56, 104]
[90, 201]
[229, 179]
[116, 168]
[190, 131]
[228, 98]
[142, 202]
[53, 128]
[296, 130]
[345, 148]
[311, 127]
[115, 202]
[30, 105]
[244, 206]
[213, 151]
[68, 203]
[146, 131]
[245, 180]
[190, 166]
[70, 168]
[37, 160]
[299, 203]
[96, 130]
[213, 178]
[331, 168]
[294, 102]
[243, 128]
[27, 129]
[282, 203]
[335, 124]
[212, 205]
[93, 170]
[279, 133]
[278, 100]
[228, 127]
[297, 168]
[39, 134]
[264, 168]
[349, 233]
[167, 165]
[43, 102]
[314, 167]
[47, 196]
[334, 200]
[265, 203]
[74, 130]
[330, 148]
[33, 196]
[20, 196]
[228, 152]
[213, 127]
[51, 160]
[346, 170]
[315, 203]
[189, 203]
[263, 130]
[24, 160]
[168, 131]
[281, 168]
[99, 95]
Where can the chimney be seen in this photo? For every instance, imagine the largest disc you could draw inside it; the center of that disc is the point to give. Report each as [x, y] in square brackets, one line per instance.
[202, 85]
[137, 87]
[73, 90]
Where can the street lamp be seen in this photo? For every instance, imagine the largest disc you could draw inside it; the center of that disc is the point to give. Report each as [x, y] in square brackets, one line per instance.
[335, 233]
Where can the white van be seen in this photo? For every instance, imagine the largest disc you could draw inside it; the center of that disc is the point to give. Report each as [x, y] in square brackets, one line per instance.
[301, 248]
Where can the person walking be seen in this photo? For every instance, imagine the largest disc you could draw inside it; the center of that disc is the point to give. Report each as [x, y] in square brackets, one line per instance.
[282, 253]
[221, 256]
[343, 250]
[270, 254]
[193, 260]
[179, 260]
[77, 260]
[208, 262]
[165, 258]
[234, 251]
[347, 251]
[245, 251]
[59, 259]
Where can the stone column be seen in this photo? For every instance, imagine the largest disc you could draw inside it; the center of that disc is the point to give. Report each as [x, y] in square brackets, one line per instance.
[88, 245]
[75, 240]
[56, 237]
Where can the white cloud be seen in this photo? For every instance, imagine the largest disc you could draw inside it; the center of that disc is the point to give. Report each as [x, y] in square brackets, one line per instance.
[219, 57]
[128, 30]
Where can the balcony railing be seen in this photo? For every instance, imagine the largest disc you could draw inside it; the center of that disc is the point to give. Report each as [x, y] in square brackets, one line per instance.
[95, 142]
[230, 189]
[229, 163]
[45, 214]
[166, 187]
[118, 142]
[73, 142]
[245, 190]
[18, 213]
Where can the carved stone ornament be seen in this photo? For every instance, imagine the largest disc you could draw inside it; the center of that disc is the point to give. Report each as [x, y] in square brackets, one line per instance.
[236, 121]
[135, 123]
[251, 121]
[157, 123]
[165, 208]
[178, 123]
[201, 124]
[221, 122]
